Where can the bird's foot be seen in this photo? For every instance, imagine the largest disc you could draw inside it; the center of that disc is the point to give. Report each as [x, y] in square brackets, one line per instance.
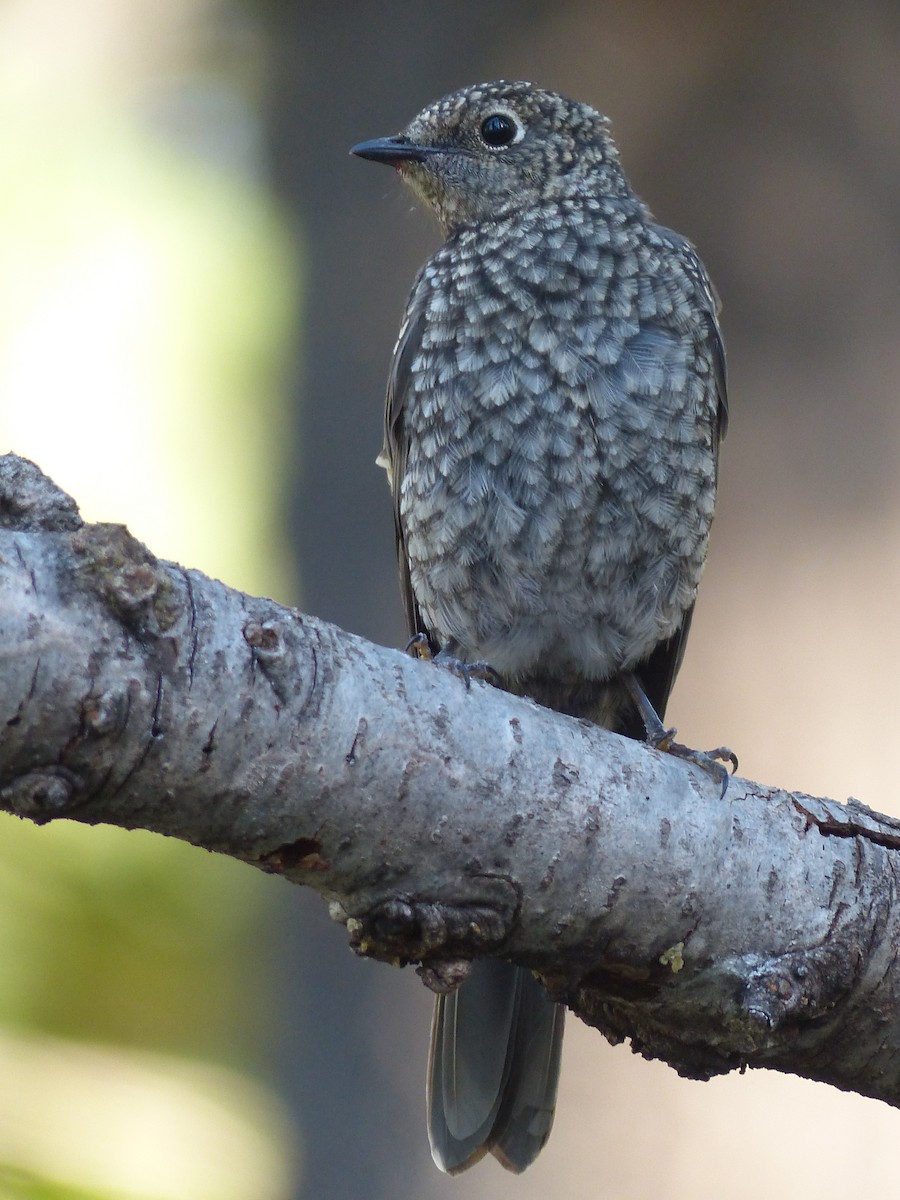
[661, 738]
[711, 761]
[419, 647]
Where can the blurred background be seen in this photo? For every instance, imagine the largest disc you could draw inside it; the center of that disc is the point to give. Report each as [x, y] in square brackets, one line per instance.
[199, 292]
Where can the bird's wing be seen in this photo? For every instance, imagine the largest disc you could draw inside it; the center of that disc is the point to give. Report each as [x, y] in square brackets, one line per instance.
[396, 440]
[658, 671]
[708, 305]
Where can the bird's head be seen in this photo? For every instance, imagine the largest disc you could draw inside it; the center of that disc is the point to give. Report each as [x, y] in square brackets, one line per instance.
[488, 150]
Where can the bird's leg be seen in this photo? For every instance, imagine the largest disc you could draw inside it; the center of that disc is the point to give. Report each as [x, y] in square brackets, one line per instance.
[419, 647]
[663, 739]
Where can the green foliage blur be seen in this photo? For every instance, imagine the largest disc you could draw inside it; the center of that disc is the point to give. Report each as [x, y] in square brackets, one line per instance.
[147, 289]
[130, 938]
[22, 1185]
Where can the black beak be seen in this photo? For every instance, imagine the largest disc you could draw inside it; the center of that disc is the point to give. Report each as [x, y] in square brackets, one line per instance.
[393, 150]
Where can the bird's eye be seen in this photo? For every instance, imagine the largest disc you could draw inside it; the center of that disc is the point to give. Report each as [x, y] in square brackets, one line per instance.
[499, 129]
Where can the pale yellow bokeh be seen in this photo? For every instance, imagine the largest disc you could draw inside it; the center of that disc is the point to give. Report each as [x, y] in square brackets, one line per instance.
[145, 296]
[138, 1126]
[146, 292]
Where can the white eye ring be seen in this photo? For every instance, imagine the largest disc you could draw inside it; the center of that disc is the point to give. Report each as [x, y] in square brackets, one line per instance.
[501, 129]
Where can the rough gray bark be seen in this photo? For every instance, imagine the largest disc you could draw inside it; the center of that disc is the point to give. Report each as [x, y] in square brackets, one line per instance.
[440, 823]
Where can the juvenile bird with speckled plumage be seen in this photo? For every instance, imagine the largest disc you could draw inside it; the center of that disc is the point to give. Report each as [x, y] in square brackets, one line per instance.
[553, 419]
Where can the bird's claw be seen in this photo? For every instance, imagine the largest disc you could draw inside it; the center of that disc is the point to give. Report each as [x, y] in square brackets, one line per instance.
[711, 761]
[467, 671]
[420, 648]
[661, 738]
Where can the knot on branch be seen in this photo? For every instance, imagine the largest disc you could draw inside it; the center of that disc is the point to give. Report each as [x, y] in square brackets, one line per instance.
[444, 977]
[128, 578]
[30, 502]
[41, 794]
[279, 647]
[441, 937]
[799, 986]
[104, 712]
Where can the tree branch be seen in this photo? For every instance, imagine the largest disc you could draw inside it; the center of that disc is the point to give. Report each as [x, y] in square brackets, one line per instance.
[443, 823]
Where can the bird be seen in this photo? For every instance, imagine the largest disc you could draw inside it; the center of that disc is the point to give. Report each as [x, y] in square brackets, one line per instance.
[554, 410]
